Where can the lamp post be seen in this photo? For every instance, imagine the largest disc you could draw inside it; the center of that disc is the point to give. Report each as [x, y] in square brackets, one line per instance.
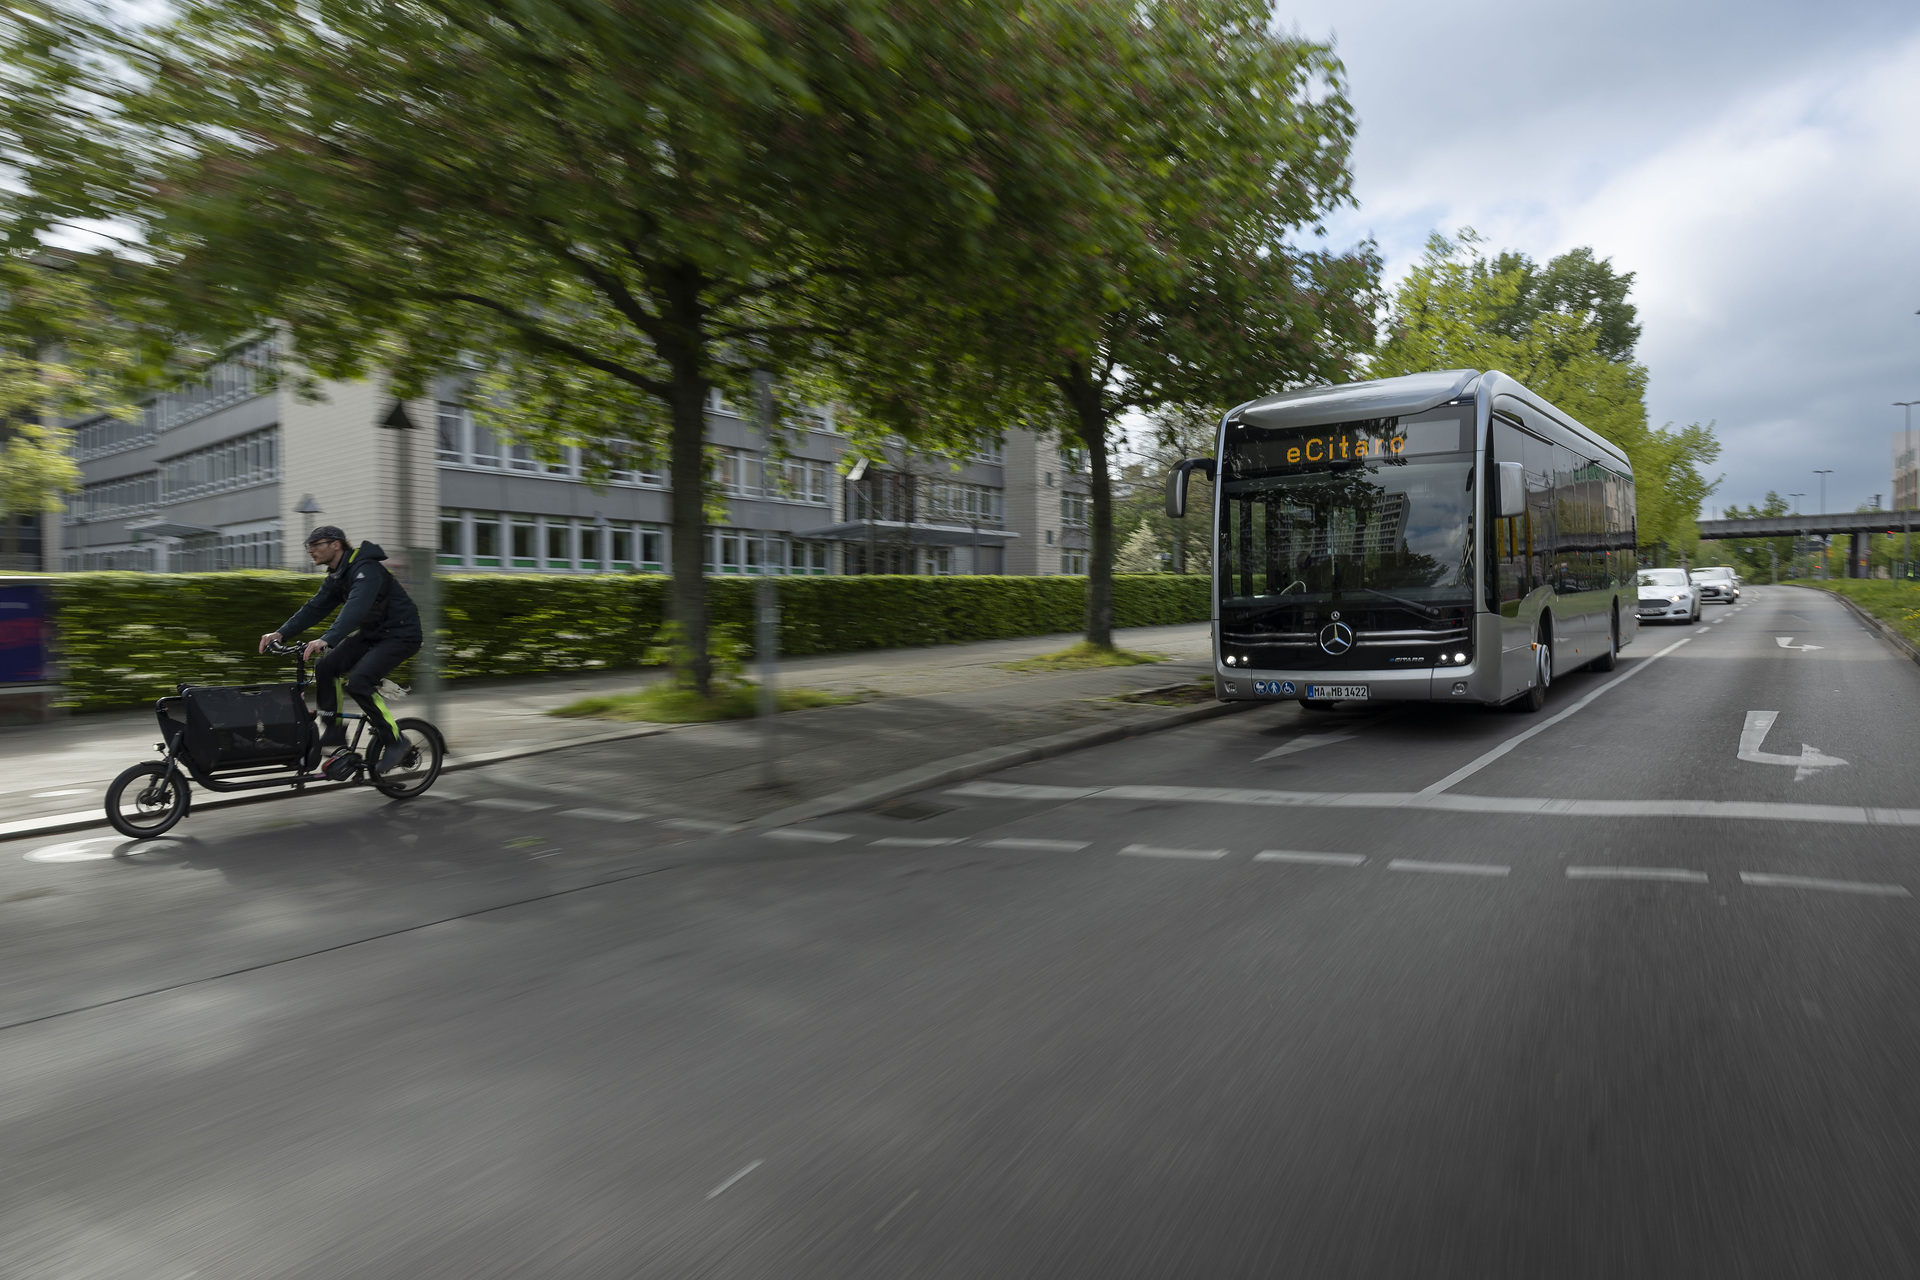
[1798, 537]
[1823, 510]
[1912, 496]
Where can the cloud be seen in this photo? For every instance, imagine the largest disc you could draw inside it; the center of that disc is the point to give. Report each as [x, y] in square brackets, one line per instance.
[1760, 177]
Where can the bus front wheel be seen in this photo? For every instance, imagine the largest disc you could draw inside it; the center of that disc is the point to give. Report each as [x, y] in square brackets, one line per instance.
[1536, 697]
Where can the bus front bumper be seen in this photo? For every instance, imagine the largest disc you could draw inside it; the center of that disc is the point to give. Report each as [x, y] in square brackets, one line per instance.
[1464, 683]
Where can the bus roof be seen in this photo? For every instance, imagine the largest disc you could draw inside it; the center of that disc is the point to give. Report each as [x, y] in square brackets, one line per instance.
[1397, 397]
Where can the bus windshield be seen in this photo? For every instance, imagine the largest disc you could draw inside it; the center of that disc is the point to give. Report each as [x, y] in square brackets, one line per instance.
[1376, 512]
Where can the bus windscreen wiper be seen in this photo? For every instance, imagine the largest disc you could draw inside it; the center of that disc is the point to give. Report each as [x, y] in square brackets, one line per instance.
[1427, 609]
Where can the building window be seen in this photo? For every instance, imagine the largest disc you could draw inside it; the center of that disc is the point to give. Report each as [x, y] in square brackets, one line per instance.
[590, 547]
[1073, 562]
[486, 446]
[1073, 510]
[653, 543]
[1049, 537]
[452, 421]
[232, 464]
[109, 499]
[525, 535]
[451, 551]
[559, 544]
[486, 540]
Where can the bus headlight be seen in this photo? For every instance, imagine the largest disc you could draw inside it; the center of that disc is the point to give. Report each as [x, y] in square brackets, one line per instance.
[1229, 659]
[1459, 657]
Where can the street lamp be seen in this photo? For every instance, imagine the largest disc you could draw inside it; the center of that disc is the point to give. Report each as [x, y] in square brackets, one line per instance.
[1912, 489]
[1823, 488]
[1798, 537]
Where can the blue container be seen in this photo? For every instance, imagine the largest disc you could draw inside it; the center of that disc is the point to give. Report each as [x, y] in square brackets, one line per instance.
[26, 632]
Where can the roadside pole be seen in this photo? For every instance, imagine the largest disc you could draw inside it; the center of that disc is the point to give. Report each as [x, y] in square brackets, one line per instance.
[419, 574]
[767, 615]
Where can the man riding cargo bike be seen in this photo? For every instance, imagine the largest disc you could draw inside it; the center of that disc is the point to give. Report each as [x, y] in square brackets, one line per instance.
[246, 737]
[377, 630]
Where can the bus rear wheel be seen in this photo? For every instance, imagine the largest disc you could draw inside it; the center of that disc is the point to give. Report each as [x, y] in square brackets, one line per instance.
[1611, 658]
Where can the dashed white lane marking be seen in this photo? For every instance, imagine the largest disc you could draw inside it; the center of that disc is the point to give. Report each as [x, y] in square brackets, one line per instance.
[1153, 851]
[1311, 859]
[48, 795]
[806, 836]
[693, 824]
[505, 802]
[602, 815]
[735, 1178]
[1472, 767]
[1636, 873]
[1529, 806]
[1041, 846]
[1767, 880]
[1449, 868]
[915, 842]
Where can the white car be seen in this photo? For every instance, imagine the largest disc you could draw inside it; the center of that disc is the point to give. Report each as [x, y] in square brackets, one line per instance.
[1717, 583]
[1668, 595]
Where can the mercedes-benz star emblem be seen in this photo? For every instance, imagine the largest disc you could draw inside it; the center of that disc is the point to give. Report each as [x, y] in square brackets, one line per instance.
[1336, 638]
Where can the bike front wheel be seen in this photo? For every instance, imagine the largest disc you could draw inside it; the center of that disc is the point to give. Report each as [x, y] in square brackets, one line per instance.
[426, 752]
[147, 800]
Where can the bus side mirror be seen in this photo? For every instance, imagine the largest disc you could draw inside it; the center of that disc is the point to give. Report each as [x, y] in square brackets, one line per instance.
[1177, 483]
[1512, 490]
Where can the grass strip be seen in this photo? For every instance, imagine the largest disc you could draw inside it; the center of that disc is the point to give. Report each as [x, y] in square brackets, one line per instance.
[670, 703]
[1082, 657]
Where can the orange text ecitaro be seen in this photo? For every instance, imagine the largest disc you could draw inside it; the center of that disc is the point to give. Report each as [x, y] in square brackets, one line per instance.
[1348, 448]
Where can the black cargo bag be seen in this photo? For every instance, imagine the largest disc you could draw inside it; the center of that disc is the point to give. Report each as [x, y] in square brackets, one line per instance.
[238, 725]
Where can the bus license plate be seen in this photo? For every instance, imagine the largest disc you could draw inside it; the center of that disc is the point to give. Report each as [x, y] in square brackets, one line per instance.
[1336, 691]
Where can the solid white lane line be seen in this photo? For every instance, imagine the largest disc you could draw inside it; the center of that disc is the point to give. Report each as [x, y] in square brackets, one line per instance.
[1528, 806]
[517, 806]
[1449, 868]
[1636, 873]
[735, 1178]
[1042, 846]
[1310, 859]
[914, 842]
[1832, 886]
[805, 836]
[1467, 770]
[602, 815]
[1150, 851]
[694, 824]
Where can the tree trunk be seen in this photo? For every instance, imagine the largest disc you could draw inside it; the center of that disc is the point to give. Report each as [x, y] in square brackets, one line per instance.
[685, 356]
[1090, 422]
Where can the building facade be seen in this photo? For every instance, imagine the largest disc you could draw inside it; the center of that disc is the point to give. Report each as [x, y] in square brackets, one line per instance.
[231, 475]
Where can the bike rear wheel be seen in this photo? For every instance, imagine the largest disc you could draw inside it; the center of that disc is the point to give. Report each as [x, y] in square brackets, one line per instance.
[147, 800]
[426, 751]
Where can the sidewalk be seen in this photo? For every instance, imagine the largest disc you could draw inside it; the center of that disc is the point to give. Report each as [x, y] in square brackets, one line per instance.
[925, 705]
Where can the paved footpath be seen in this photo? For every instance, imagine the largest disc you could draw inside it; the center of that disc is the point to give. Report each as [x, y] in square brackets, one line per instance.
[923, 704]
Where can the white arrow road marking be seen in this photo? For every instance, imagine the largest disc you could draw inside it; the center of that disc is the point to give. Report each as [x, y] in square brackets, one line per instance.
[1786, 642]
[1755, 732]
[1305, 742]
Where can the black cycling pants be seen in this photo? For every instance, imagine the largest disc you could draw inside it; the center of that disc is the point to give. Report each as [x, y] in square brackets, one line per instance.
[359, 666]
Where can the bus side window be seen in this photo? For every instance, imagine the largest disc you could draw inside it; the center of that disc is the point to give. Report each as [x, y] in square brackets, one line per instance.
[1512, 537]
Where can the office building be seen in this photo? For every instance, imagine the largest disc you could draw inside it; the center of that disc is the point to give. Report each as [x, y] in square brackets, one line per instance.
[231, 473]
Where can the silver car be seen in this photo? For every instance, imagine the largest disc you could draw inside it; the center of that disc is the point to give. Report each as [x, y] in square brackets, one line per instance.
[1668, 595]
[1717, 583]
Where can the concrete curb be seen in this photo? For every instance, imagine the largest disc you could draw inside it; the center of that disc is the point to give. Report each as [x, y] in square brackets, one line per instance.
[1887, 633]
[987, 760]
[956, 769]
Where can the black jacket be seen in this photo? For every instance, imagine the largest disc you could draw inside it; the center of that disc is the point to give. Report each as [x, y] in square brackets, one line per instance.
[370, 599]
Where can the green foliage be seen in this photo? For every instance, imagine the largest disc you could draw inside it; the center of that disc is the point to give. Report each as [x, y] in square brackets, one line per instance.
[673, 702]
[127, 638]
[1083, 657]
[1567, 332]
[1757, 558]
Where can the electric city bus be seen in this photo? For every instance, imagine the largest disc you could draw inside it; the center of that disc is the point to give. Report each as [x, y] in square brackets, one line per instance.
[1444, 537]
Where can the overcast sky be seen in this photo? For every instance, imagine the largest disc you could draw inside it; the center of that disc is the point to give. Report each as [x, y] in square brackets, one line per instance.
[1756, 165]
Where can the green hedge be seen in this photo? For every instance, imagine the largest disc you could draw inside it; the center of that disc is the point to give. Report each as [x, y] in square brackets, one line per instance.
[127, 638]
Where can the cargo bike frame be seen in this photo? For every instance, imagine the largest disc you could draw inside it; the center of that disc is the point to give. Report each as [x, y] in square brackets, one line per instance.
[251, 738]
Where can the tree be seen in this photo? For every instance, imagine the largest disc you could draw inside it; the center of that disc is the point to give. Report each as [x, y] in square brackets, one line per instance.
[1170, 433]
[611, 209]
[1567, 332]
[61, 356]
[1223, 143]
[1139, 553]
[1757, 558]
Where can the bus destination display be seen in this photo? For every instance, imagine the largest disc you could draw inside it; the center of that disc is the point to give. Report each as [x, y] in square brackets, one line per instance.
[1250, 449]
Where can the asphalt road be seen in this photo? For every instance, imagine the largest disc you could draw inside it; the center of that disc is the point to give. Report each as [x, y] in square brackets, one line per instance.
[1274, 995]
